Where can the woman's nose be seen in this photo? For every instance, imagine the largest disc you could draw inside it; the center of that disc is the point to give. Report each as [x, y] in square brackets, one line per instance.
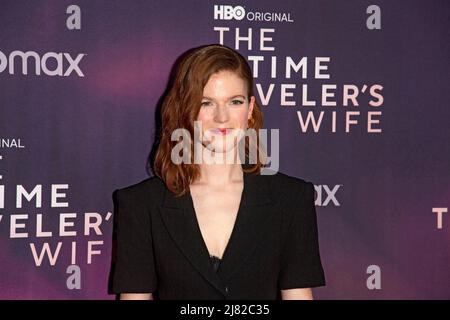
[221, 114]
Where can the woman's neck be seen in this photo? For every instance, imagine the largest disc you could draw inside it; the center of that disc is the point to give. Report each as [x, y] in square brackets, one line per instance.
[223, 170]
[220, 174]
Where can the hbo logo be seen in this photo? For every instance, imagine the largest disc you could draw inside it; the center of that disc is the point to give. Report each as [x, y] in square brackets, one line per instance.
[228, 12]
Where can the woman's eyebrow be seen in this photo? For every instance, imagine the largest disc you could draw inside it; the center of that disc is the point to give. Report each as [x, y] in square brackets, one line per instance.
[236, 96]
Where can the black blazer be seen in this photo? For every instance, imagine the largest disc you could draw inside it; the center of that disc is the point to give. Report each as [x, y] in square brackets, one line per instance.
[273, 246]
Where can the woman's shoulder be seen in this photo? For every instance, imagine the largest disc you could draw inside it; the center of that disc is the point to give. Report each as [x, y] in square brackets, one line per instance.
[291, 192]
[153, 186]
[282, 181]
[287, 189]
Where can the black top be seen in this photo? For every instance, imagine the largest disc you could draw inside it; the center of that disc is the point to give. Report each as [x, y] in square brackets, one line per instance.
[215, 262]
[273, 246]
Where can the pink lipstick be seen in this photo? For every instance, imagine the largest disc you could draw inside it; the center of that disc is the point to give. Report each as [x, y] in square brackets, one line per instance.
[221, 131]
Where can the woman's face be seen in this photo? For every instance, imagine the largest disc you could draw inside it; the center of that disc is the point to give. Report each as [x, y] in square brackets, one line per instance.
[224, 109]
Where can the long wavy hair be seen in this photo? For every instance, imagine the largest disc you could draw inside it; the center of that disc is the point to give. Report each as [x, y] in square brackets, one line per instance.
[181, 106]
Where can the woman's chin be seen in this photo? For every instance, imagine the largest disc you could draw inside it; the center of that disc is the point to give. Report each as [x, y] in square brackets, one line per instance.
[219, 147]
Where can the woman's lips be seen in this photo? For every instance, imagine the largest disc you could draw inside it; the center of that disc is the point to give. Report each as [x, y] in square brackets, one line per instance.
[221, 131]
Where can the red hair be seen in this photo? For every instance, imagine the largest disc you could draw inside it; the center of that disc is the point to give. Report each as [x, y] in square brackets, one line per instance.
[181, 106]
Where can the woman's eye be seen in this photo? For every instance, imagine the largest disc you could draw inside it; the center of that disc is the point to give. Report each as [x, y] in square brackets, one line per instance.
[234, 102]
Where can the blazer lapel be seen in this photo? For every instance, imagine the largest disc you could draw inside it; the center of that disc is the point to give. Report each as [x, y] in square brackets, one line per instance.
[254, 211]
[178, 215]
[252, 221]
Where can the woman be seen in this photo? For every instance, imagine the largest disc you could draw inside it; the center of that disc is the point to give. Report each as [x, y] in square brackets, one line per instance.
[215, 230]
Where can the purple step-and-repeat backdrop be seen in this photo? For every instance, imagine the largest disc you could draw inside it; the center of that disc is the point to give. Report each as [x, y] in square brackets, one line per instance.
[359, 91]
